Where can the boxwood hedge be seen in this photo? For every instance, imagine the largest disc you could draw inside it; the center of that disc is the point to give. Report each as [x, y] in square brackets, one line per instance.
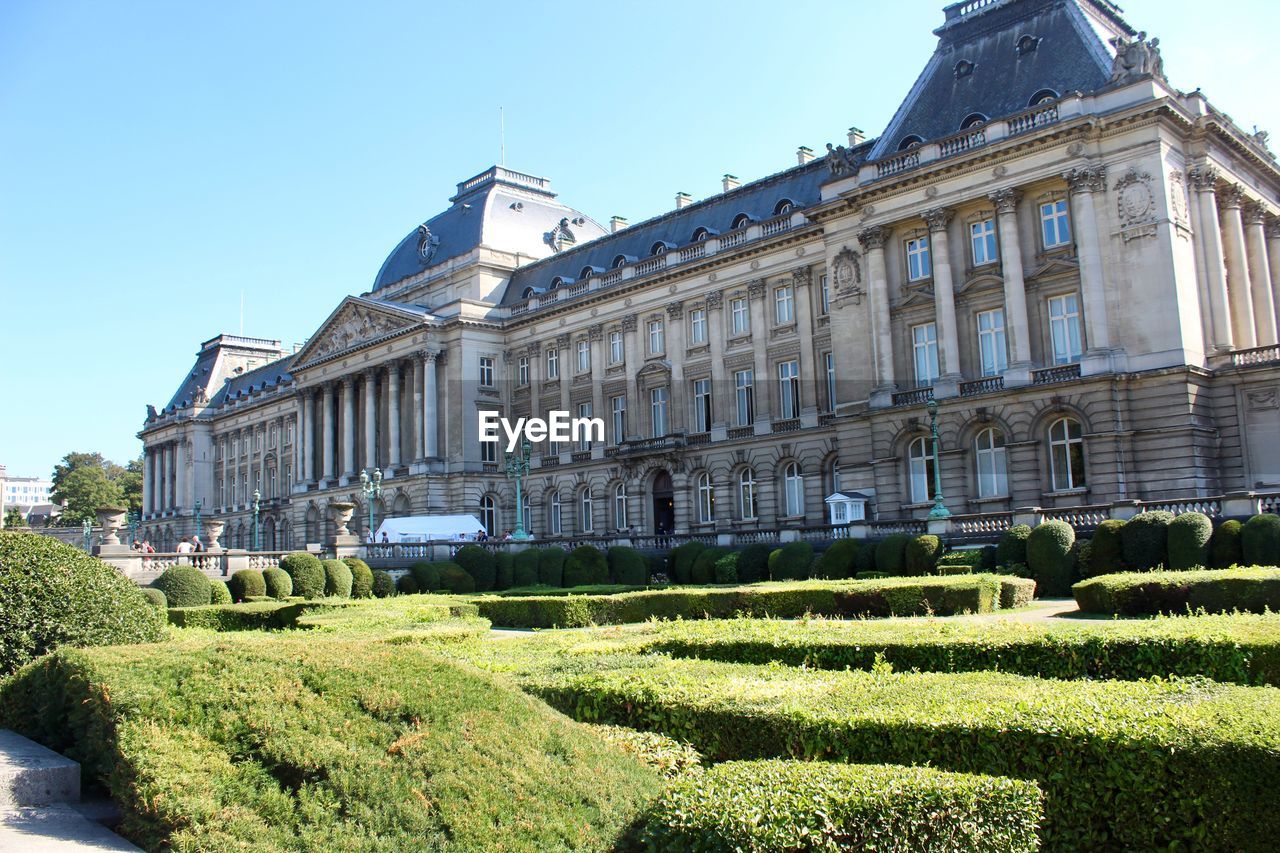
[1260, 540]
[253, 616]
[1189, 536]
[1250, 590]
[337, 579]
[306, 572]
[278, 583]
[361, 577]
[247, 582]
[626, 566]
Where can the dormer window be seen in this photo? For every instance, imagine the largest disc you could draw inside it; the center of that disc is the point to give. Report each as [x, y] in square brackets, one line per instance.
[1027, 44]
[783, 207]
[973, 120]
[701, 235]
[619, 262]
[964, 68]
[910, 142]
[528, 292]
[587, 272]
[659, 248]
[1044, 96]
[742, 220]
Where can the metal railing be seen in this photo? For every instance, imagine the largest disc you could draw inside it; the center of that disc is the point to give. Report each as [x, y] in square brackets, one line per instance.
[982, 386]
[1061, 373]
[913, 398]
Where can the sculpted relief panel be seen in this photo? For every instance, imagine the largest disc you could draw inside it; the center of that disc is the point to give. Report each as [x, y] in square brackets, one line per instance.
[355, 326]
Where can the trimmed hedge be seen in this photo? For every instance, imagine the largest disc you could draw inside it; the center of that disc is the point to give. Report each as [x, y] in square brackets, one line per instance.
[1013, 545]
[839, 561]
[218, 593]
[1016, 592]
[726, 570]
[155, 597]
[796, 805]
[794, 562]
[384, 586]
[891, 554]
[1260, 540]
[455, 579]
[277, 583]
[253, 616]
[361, 577]
[1145, 540]
[184, 586]
[1106, 553]
[245, 583]
[427, 575]
[1189, 536]
[585, 566]
[753, 563]
[681, 559]
[408, 585]
[704, 566]
[627, 566]
[480, 564]
[551, 566]
[524, 569]
[306, 572]
[1225, 548]
[921, 554]
[1051, 559]
[337, 579]
[504, 565]
[1213, 590]
[1124, 765]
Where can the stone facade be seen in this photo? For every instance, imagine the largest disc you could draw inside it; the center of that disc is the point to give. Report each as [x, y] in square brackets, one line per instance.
[1087, 285]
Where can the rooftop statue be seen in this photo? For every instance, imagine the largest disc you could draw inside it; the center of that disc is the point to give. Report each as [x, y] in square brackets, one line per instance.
[1136, 59]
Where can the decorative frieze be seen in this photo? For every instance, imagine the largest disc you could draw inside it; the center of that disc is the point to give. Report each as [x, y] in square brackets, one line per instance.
[1086, 179]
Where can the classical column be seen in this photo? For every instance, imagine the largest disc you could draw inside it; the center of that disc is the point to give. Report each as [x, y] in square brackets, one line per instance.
[757, 292]
[1264, 309]
[180, 474]
[429, 403]
[721, 392]
[370, 419]
[327, 464]
[1084, 183]
[1239, 290]
[299, 439]
[595, 334]
[567, 369]
[675, 350]
[147, 486]
[801, 279]
[417, 408]
[1209, 245]
[944, 302]
[1273, 262]
[393, 414]
[349, 463]
[533, 353]
[1016, 328]
[631, 345]
[170, 471]
[872, 241]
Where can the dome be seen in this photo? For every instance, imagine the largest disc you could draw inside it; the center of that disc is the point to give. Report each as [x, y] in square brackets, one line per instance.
[499, 209]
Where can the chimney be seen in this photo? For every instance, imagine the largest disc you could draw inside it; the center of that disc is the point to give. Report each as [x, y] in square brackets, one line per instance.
[730, 182]
[803, 155]
[683, 200]
[856, 137]
[617, 223]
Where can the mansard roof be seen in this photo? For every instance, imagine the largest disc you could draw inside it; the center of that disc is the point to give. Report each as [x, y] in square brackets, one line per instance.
[269, 377]
[207, 377]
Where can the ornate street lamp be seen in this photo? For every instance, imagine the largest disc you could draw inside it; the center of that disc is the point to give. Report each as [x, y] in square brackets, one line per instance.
[87, 529]
[518, 470]
[372, 488]
[134, 518]
[199, 528]
[939, 508]
[257, 503]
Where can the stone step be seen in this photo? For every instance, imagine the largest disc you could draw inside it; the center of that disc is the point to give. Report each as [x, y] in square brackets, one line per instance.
[32, 775]
[58, 828]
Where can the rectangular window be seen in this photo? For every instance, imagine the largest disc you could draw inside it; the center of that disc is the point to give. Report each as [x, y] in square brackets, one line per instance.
[522, 370]
[584, 436]
[982, 237]
[488, 451]
[918, 264]
[924, 345]
[615, 348]
[584, 356]
[657, 338]
[829, 360]
[698, 326]
[784, 306]
[553, 364]
[618, 406]
[743, 383]
[740, 313]
[824, 295]
[658, 411]
[991, 342]
[701, 405]
[789, 389]
[1064, 328]
[486, 371]
[1055, 226]
[557, 516]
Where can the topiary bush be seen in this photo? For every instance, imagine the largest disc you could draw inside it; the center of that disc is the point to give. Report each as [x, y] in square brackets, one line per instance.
[505, 568]
[361, 577]
[628, 566]
[1083, 553]
[480, 564]
[456, 579]
[155, 597]
[681, 560]
[989, 561]
[384, 586]
[1189, 536]
[1225, 549]
[1260, 540]
[1144, 540]
[839, 561]
[753, 564]
[245, 583]
[1013, 545]
[1107, 555]
[891, 554]
[54, 595]
[727, 569]
[921, 554]
[1050, 558]
[795, 560]
[407, 585]
[278, 583]
[184, 586]
[586, 566]
[524, 569]
[337, 579]
[427, 574]
[306, 572]
[218, 593]
[551, 566]
[704, 566]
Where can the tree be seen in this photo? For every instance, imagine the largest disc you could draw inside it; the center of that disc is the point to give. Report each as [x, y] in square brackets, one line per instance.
[13, 518]
[83, 482]
[130, 481]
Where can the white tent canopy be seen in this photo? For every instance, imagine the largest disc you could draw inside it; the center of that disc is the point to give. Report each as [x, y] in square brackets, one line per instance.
[429, 528]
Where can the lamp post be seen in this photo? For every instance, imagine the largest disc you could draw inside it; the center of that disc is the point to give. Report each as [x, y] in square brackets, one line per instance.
[939, 508]
[518, 470]
[257, 503]
[372, 488]
[199, 528]
[87, 529]
[134, 518]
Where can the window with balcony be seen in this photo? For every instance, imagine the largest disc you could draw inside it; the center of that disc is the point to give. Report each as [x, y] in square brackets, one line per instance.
[488, 451]
[744, 391]
[789, 389]
[618, 410]
[793, 489]
[1055, 224]
[584, 511]
[982, 242]
[584, 435]
[992, 351]
[1064, 328]
[919, 266]
[706, 499]
[920, 470]
[658, 411]
[748, 509]
[620, 507]
[1066, 454]
[701, 405]
[924, 350]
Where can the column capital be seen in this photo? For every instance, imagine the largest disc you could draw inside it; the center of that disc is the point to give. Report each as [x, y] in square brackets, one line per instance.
[370, 374]
[1086, 179]
[675, 310]
[348, 381]
[1273, 229]
[1254, 213]
[428, 355]
[595, 332]
[873, 238]
[938, 218]
[629, 323]
[562, 341]
[1006, 200]
[1230, 196]
[1204, 177]
[715, 299]
[756, 288]
[393, 367]
[802, 276]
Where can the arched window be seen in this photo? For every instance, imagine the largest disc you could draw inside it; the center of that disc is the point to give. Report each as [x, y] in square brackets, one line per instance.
[555, 515]
[1066, 454]
[1044, 96]
[620, 507]
[658, 248]
[619, 262]
[586, 273]
[921, 470]
[700, 234]
[834, 477]
[973, 120]
[748, 508]
[784, 206]
[993, 471]
[793, 487]
[584, 511]
[742, 220]
[489, 515]
[910, 142]
[706, 499]
[1027, 44]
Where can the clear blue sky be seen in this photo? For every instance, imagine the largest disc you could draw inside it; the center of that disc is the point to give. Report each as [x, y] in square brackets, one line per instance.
[158, 158]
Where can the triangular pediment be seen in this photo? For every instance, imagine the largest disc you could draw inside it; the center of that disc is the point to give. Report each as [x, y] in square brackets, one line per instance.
[357, 323]
[1054, 266]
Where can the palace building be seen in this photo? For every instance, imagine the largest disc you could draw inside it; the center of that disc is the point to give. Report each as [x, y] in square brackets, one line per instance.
[1077, 261]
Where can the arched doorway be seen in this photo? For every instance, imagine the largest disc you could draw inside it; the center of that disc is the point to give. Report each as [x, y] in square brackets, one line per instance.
[664, 504]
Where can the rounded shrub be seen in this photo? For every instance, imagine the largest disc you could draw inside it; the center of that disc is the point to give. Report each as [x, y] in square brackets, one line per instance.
[155, 597]
[384, 586]
[551, 566]
[988, 561]
[704, 566]
[753, 563]
[1189, 536]
[1013, 545]
[1260, 540]
[839, 561]
[505, 570]
[406, 585]
[1083, 552]
[865, 561]
[427, 574]
[1107, 552]
[337, 579]
[891, 554]
[1050, 558]
[54, 595]
[1225, 548]
[727, 569]
[245, 583]
[681, 560]
[219, 593]
[480, 564]
[586, 566]
[456, 579]
[278, 583]
[184, 586]
[307, 573]
[794, 562]
[922, 553]
[361, 577]
[524, 569]
[628, 566]
[1144, 540]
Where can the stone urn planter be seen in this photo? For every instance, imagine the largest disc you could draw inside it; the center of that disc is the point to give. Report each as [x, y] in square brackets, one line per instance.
[111, 519]
[342, 511]
[213, 530]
